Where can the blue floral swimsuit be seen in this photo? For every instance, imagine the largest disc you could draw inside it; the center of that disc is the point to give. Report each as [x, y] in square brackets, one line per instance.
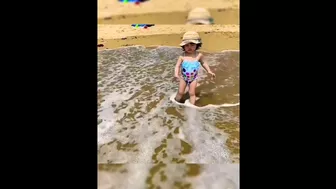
[190, 70]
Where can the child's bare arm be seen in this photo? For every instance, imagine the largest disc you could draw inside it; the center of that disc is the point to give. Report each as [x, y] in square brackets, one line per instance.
[204, 64]
[177, 67]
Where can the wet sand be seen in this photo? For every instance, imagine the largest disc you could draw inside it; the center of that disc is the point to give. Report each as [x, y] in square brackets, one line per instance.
[149, 141]
[215, 38]
[177, 176]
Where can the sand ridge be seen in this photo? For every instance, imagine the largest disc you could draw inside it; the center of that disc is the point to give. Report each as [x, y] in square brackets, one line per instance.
[121, 31]
[215, 37]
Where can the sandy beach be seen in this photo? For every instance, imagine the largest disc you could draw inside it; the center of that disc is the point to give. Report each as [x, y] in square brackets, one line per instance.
[115, 19]
[165, 12]
[145, 140]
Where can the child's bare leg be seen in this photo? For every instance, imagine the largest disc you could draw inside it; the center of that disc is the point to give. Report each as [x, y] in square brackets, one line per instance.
[181, 89]
[192, 91]
[186, 90]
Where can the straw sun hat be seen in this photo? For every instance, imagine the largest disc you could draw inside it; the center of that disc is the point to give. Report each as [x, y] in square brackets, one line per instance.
[199, 16]
[190, 37]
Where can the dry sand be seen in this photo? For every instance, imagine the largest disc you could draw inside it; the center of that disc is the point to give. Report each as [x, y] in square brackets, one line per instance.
[165, 11]
[170, 18]
[215, 38]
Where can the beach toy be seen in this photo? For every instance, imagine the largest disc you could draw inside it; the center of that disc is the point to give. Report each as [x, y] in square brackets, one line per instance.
[132, 1]
[145, 26]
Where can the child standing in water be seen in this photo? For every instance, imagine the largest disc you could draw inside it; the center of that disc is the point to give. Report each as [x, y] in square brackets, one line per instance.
[188, 65]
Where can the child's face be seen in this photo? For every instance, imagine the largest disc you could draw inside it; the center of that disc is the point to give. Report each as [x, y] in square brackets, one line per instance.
[190, 47]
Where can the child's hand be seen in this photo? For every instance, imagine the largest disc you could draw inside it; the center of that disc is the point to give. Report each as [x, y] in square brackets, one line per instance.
[176, 78]
[213, 75]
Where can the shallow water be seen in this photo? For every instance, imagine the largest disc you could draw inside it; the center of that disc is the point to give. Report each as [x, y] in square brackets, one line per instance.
[152, 140]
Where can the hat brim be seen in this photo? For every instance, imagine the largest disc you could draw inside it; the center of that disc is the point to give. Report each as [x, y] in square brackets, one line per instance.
[189, 41]
[199, 21]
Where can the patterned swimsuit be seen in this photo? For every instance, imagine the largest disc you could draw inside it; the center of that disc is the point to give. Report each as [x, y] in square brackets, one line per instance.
[190, 70]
